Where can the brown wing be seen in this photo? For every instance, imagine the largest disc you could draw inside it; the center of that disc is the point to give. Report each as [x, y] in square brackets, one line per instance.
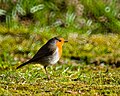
[44, 51]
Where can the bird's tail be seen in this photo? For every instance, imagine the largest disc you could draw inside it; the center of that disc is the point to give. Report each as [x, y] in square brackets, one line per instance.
[23, 64]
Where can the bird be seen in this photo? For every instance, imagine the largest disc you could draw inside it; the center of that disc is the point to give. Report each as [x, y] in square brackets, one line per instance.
[48, 54]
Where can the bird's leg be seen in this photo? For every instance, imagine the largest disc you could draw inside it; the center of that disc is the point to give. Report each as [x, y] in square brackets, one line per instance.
[48, 76]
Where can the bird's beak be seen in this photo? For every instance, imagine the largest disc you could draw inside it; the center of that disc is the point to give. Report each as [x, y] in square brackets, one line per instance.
[66, 41]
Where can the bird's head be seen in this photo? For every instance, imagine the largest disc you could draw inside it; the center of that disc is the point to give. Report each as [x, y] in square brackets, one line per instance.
[60, 41]
[57, 41]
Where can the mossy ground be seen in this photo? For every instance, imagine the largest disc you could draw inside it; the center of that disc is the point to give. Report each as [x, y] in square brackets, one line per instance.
[66, 79]
[87, 67]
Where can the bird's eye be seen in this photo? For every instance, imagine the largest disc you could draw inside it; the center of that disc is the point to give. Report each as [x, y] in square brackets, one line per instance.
[59, 40]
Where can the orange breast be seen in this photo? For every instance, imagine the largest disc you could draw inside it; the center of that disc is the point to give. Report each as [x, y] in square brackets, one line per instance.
[59, 45]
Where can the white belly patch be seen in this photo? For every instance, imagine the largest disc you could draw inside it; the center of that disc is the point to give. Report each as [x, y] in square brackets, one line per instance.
[55, 57]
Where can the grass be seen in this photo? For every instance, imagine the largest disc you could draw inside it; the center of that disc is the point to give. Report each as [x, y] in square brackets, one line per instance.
[66, 79]
[90, 70]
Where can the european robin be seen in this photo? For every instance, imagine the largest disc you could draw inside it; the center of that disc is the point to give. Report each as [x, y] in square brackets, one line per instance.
[48, 54]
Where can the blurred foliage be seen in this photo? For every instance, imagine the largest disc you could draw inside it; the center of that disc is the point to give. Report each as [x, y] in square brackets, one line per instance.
[91, 49]
[99, 16]
[26, 22]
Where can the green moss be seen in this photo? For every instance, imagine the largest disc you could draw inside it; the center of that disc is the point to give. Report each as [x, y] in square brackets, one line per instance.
[76, 80]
